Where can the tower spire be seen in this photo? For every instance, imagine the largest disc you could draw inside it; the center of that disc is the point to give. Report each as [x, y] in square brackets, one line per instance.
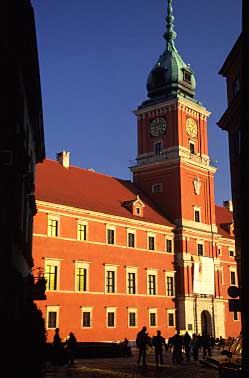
[170, 34]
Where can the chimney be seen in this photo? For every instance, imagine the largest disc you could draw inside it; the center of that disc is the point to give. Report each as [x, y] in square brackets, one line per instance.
[228, 205]
[63, 158]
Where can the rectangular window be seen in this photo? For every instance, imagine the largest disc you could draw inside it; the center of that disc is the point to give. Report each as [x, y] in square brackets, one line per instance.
[197, 216]
[53, 227]
[171, 319]
[200, 249]
[235, 315]
[158, 148]
[170, 292]
[132, 319]
[111, 317]
[169, 245]
[131, 283]
[86, 319]
[151, 242]
[81, 279]
[81, 231]
[152, 318]
[110, 236]
[157, 188]
[231, 253]
[51, 272]
[232, 278]
[151, 284]
[138, 211]
[192, 148]
[131, 239]
[110, 281]
[52, 319]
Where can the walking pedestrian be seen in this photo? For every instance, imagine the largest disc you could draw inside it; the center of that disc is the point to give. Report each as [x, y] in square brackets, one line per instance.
[177, 343]
[141, 343]
[158, 343]
[57, 348]
[194, 345]
[71, 344]
[186, 344]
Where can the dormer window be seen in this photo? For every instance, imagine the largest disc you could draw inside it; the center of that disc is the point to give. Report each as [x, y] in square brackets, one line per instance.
[137, 210]
[136, 206]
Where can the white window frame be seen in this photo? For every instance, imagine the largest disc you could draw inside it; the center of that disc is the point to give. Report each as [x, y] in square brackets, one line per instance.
[152, 272]
[84, 265]
[200, 242]
[170, 274]
[111, 310]
[131, 231]
[151, 235]
[112, 268]
[57, 219]
[53, 262]
[235, 275]
[131, 270]
[172, 244]
[90, 310]
[133, 311]
[83, 223]
[112, 228]
[152, 311]
[231, 250]
[171, 312]
[53, 309]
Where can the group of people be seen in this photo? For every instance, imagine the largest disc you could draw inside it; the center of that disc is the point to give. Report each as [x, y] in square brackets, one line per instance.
[63, 352]
[177, 344]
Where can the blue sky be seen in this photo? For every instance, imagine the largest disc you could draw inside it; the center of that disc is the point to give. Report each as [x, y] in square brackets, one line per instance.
[95, 57]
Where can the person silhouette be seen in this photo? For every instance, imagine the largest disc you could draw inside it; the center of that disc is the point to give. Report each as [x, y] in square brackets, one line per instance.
[71, 344]
[141, 343]
[57, 348]
[158, 342]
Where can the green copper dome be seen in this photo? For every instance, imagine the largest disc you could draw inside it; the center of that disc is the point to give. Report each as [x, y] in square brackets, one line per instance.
[170, 76]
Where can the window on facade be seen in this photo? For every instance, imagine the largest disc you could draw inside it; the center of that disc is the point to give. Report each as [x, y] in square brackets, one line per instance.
[169, 245]
[81, 231]
[231, 253]
[235, 315]
[110, 236]
[151, 284]
[158, 148]
[110, 281]
[236, 86]
[51, 276]
[170, 287]
[131, 239]
[81, 279]
[152, 319]
[171, 319]
[132, 319]
[86, 318]
[110, 318]
[192, 148]
[138, 210]
[156, 188]
[197, 215]
[53, 227]
[131, 283]
[187, 76]
[219, 251]
[200, 249]
[232, 278]
[52, 319]
[151, 242]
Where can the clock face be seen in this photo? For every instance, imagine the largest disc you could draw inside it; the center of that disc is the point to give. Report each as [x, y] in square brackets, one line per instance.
[191, 127]
[157, 126]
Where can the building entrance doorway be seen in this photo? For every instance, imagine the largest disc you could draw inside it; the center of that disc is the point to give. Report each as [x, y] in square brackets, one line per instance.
[206, 323]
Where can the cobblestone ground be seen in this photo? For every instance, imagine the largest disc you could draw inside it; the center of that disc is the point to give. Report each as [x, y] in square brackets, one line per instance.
[127, 368]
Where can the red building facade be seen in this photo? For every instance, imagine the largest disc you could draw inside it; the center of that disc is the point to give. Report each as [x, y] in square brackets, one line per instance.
[156, 251]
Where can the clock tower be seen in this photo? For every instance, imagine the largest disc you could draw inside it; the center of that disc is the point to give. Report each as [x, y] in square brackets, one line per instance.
[172, 165]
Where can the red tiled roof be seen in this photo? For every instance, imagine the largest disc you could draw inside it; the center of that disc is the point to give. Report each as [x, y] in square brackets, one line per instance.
[93, 191]
[223, 217]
